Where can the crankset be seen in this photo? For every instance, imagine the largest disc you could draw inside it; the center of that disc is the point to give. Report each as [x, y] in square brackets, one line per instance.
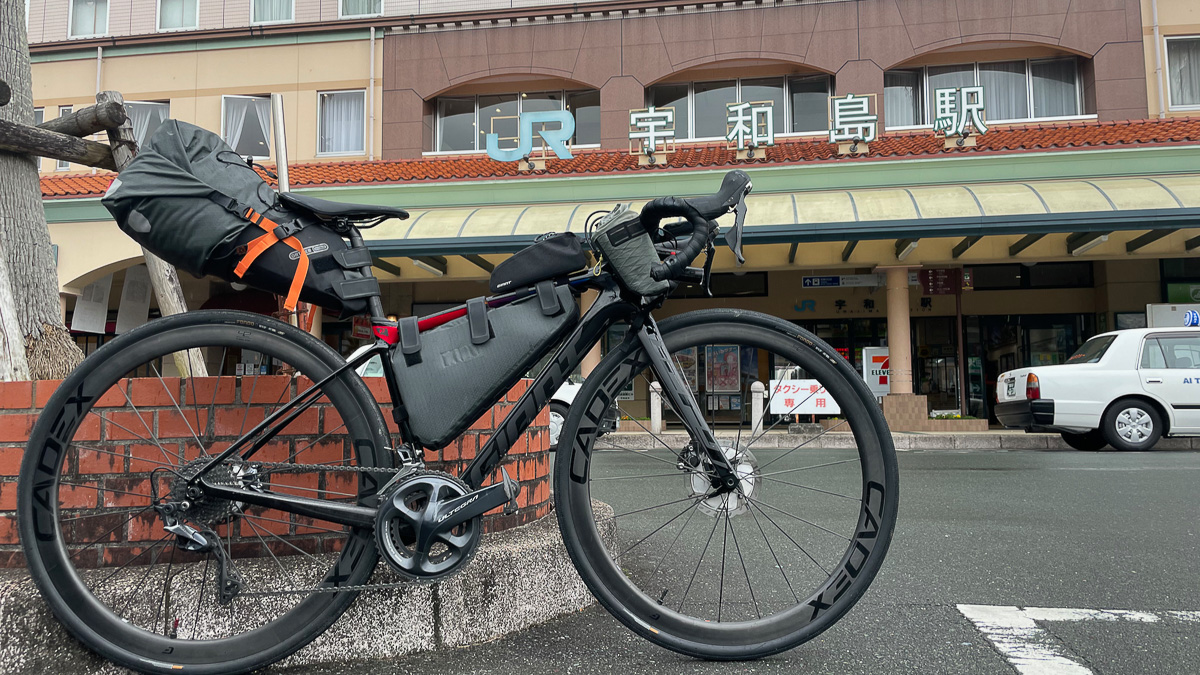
[428, 525]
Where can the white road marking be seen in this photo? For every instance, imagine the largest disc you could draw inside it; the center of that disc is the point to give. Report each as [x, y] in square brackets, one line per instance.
[1031, 649]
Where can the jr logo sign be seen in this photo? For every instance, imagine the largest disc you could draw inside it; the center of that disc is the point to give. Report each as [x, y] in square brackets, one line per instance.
[556, 138]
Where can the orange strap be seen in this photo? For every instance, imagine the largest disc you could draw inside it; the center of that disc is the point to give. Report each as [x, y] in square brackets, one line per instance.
[266, 241]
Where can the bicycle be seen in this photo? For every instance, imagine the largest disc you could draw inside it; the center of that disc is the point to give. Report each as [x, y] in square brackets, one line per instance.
[186, 556]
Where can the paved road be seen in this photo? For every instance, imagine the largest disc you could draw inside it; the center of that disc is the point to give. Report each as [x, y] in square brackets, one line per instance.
[1028, 529]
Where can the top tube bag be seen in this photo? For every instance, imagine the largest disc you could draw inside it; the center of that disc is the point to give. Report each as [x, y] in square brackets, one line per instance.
[191, 200]
[450, 375]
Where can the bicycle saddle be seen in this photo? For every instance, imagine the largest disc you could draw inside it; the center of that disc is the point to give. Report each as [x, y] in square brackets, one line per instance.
[325, 209]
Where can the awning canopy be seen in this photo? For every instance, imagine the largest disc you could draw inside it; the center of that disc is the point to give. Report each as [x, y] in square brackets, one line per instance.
[1042, 207]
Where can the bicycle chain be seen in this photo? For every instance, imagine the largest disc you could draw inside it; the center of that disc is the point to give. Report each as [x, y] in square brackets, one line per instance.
[300, 468]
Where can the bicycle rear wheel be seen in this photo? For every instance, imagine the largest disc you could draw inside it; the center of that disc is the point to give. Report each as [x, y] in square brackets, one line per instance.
[117, 441]
[748, 573]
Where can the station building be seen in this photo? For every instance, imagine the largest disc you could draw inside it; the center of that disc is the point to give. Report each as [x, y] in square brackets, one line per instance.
[1077, 206]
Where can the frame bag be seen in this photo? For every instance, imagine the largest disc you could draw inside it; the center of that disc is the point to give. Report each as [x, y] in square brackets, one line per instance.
[191, 200]
[452, 374]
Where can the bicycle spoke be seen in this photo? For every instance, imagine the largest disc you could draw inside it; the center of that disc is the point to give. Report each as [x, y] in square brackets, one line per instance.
[288, 522]
[268, 531]
[140, 437]
[778, 565]
[271, 553]
[698, 562]
[693, 509]
[643, 475]
[169, 467]
[826, 492]
[130, 561]
[639, 453]
[651, 508]
[789, 538]
[322, 437]
[200, 596]
[660, 527]
[106, 534]
[724, 552]
[166, 594]
[180, 411]
[749, 585]
[807, 468]
[790, 515]
[804, 443]
[137, 413]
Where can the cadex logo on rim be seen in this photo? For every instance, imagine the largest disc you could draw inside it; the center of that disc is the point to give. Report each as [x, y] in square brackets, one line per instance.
[556, 139]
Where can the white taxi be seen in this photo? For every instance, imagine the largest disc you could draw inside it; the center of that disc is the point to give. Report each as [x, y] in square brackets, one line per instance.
[1124, 389]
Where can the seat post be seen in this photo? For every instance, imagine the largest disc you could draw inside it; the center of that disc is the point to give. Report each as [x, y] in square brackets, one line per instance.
[374, 302]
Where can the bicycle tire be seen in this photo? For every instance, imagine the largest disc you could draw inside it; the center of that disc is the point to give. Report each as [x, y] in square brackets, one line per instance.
[646, 615]
[85, 616]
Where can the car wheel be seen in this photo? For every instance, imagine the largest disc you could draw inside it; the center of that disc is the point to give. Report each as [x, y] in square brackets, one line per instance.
[1090, 441]
[558, 413]
[1131, 425]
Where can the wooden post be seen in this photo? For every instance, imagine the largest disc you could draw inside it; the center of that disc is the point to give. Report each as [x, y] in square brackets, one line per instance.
[44, 143]
[89, 120]
[162, 275]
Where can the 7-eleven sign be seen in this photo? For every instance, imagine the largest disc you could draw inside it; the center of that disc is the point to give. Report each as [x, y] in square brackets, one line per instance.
[875, 367]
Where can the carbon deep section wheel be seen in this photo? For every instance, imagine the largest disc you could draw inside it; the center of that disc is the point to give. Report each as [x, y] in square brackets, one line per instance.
[243, 586]
[755, 571]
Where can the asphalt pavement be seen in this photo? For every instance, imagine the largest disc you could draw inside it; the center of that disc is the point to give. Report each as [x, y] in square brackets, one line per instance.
[998, 564]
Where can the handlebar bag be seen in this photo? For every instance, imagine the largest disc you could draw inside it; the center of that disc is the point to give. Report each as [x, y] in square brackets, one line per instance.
[451, 375]
[553, 257]
[627, 247]
[191, 200]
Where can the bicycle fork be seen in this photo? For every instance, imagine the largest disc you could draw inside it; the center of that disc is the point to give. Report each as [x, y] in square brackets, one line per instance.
[684, 403]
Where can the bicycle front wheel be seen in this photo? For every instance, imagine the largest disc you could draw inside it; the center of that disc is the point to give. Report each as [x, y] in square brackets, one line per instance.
[239, 586]
[754, 571]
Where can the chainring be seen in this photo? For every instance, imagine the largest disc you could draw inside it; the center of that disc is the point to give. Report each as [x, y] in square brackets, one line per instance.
[401, 510]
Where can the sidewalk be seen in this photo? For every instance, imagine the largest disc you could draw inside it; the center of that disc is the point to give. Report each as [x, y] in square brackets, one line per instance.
[997, 440]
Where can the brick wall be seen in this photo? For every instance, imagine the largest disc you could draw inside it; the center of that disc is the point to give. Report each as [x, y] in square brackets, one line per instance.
[117, 465]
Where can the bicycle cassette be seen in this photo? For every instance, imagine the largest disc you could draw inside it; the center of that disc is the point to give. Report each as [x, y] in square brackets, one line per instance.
[409, 534]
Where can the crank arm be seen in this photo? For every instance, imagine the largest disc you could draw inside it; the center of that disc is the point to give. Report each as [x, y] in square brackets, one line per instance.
[333, 512]
[459, 510]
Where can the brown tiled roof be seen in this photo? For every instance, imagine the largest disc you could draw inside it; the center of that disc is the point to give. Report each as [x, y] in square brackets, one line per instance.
[1017, 138]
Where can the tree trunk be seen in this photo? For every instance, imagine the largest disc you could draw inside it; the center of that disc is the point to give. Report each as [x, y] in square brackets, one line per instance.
[32, 282]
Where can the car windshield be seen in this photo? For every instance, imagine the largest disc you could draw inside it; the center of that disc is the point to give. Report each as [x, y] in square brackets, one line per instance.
[1092, 350]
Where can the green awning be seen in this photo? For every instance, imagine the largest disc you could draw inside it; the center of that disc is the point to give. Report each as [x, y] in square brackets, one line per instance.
[1044, 206]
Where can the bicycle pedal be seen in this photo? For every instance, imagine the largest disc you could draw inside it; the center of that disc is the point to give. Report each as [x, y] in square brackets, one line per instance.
[513, 489]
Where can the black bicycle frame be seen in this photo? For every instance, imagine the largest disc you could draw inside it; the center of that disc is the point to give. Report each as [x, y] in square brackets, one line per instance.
[609, 308]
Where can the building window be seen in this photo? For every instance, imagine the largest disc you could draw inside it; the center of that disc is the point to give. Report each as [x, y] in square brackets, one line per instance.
[341, 118]
[800, 104]
[146, 118]
[1042, 275]
[39, 116]
[177, 14]
[1013, 90]
[1183, 72]
[246, 124]
[270, 11]
[62, 165]
[89, 18]
[353, 8]
[463, 122]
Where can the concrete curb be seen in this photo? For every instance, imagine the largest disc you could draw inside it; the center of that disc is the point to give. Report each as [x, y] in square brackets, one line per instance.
[519, 578]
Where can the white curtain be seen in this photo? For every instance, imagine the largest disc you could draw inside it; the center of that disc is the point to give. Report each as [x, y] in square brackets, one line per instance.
[342, 122]
[1004, 93]
[89, 17]
[272, 10]
[360, 7]
[1055, 91]
[262, 107]
[901, 98]
[146, 117]
[1183, 70]
[235, 116]
[176, 14]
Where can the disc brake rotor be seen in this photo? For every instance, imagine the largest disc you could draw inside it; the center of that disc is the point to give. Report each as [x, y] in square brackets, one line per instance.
[733, 503]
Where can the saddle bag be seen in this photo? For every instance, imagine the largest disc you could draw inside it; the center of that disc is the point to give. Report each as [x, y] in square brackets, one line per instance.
[191, 200]
[450, 375]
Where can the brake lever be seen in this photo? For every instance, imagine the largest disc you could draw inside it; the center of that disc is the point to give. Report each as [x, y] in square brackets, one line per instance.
[706, 284]
[734, 236]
